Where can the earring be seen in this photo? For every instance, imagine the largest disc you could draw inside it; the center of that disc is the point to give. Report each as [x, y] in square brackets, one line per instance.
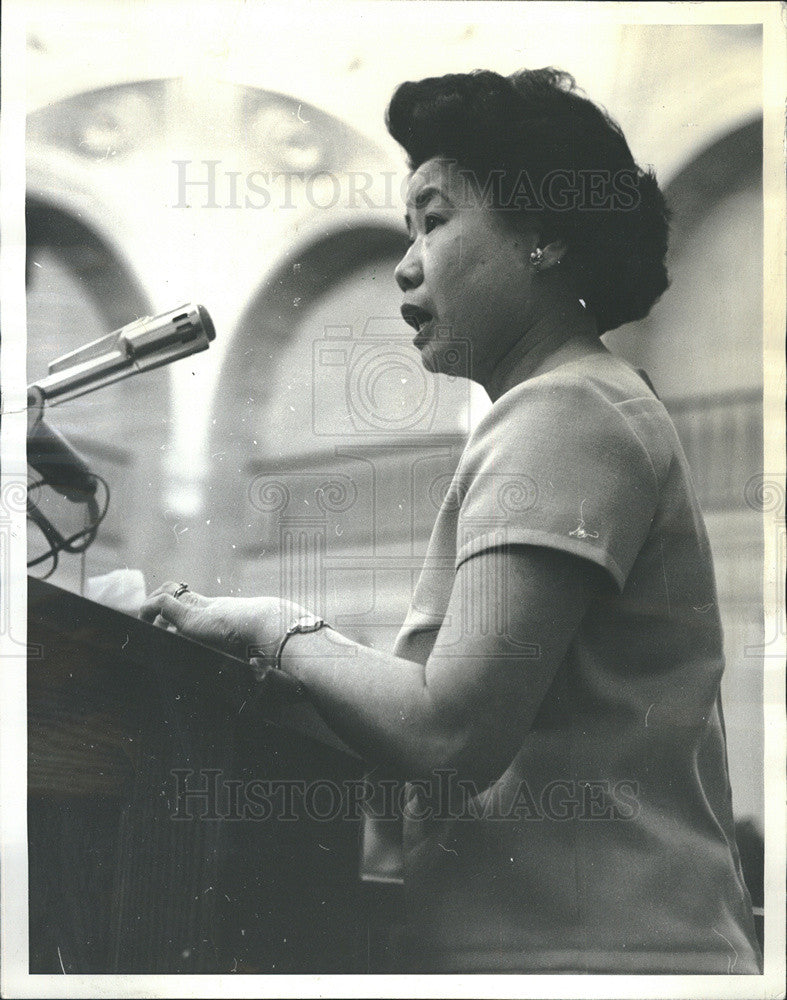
[536, 257]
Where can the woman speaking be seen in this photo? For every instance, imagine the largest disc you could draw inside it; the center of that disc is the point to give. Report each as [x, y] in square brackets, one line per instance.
[561, 659]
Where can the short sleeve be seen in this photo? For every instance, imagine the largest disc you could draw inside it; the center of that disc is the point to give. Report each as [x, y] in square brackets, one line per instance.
[557, 464]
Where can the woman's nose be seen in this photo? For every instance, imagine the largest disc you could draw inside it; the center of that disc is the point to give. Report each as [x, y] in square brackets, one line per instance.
[409, 272]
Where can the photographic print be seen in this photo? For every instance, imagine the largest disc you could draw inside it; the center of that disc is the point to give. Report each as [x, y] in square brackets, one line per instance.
[392, 498]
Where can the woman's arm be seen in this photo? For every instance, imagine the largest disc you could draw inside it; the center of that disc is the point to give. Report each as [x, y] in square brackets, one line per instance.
[511, 617]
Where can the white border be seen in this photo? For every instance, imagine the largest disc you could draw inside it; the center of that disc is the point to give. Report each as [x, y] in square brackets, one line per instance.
[14, 980]
[775, 320]
[13, 486]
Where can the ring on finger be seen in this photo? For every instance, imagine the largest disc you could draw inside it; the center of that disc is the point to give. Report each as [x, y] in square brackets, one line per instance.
[180, 590]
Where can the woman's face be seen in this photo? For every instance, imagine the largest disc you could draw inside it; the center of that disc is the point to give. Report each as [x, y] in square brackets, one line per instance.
[466, 277]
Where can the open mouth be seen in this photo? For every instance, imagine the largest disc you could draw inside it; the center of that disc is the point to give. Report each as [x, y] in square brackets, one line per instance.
[416, 317]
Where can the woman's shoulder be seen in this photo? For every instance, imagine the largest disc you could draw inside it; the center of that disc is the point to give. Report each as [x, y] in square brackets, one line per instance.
[573, 392]
[598, 401]
[600, 376]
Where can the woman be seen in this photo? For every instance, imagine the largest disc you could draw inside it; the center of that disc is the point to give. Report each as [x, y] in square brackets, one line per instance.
[558, 672]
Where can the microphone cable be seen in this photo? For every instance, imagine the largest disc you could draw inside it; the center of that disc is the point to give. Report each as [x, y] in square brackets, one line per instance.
[77, 543]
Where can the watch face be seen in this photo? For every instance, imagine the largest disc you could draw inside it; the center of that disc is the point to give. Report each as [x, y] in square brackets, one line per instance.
[308, 623]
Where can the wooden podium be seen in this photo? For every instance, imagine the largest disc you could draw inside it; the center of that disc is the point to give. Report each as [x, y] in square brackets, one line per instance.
[176, 826]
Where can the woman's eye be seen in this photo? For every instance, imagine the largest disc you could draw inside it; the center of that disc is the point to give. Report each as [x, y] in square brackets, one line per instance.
[430, 221]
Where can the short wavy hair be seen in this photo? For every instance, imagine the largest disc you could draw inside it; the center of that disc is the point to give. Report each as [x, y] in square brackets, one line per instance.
[553, 162]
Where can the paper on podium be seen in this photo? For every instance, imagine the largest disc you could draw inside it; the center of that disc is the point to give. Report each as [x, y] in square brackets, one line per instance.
[122, 589]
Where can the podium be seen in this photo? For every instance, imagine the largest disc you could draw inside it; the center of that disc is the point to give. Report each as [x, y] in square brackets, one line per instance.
[175, 824]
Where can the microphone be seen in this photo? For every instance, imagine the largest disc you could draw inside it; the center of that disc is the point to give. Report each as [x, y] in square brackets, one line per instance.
[58, 464]
[140, 346]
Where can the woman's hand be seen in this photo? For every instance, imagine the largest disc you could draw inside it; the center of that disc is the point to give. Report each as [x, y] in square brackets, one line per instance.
[246, 627]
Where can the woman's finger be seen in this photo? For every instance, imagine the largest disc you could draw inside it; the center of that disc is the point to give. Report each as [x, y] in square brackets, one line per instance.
[187, 596]
[174, 611]
[160, 622]
[168, 587]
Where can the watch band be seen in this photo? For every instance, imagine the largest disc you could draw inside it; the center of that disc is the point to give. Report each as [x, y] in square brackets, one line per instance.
[306, 623]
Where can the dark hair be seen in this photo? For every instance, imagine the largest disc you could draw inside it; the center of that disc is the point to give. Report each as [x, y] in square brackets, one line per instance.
[536, 139]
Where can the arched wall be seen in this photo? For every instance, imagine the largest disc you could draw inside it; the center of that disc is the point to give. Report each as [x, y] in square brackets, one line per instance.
[80, 287]
[201, 184]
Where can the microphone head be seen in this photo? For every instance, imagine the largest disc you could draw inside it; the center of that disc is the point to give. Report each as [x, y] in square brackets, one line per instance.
[207, 323]
[139, 346]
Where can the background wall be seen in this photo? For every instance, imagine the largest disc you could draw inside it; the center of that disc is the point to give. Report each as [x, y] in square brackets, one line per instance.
[235, 155]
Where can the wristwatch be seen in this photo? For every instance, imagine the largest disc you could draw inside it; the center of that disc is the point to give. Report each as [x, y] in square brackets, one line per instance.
[306, 623]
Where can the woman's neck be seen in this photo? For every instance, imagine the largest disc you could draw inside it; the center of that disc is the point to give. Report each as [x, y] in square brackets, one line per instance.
[550, 341]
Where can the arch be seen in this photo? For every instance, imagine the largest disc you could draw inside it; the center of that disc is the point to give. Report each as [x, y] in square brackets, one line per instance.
[297, 284]
[99, 267]
[729, 165]
[80, 288]
[275, 377]
[701, 343]
[249, 378]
